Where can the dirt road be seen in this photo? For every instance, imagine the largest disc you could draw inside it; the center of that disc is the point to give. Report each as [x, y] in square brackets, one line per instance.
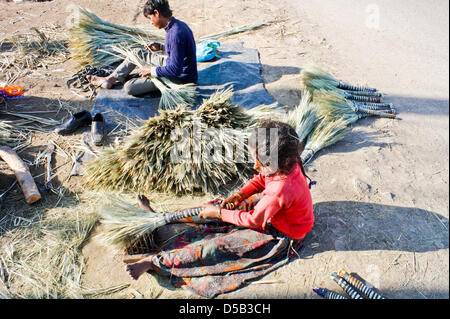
[382, 198]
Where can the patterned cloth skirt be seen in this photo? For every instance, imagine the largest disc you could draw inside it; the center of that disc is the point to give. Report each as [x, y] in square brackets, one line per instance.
[215, 257]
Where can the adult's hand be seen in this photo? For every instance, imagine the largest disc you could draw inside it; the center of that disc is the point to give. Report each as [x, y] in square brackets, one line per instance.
[155, 46]
[146, 70]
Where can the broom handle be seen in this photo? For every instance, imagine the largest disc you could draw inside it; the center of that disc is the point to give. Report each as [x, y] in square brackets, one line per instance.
[376, 105]
[387, 114]
[367, 292]
[347, 288]
[346, 86]
[307, 157]
[365, 93]
[185, 213]
[328, 294]
[363, 98]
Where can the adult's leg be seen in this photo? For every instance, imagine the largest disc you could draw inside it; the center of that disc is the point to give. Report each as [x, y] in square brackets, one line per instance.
[120, 74]
[141, 86]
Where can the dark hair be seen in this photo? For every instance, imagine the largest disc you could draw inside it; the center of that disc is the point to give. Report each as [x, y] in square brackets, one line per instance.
[161, 5]
[284, 143]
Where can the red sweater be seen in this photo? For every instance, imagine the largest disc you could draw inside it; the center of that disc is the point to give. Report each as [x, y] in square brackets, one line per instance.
[286, 202]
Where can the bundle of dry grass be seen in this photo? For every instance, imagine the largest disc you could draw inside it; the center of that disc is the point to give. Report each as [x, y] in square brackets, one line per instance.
[180, 151]
[31, 51]
[92, 37]
[303, 117]
[90, 34]
[172, 94]
[41, 256]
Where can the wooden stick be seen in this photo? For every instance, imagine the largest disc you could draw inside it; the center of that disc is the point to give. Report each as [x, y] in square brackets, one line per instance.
[22, 173]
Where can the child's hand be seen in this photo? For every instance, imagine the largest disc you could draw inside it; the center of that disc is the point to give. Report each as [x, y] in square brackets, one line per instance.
[232, 201]
[209, 211]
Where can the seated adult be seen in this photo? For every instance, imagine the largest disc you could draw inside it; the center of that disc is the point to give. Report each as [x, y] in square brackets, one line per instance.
[176, 59]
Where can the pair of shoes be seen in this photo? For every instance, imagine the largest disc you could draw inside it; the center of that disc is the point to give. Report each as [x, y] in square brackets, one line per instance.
[77, 120]
[82, 119]
[98, 129]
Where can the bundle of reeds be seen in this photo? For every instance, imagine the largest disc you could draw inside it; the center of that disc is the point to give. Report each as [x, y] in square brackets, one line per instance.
[323, 135]
[172, 94]
[90, 34]
[179, 151]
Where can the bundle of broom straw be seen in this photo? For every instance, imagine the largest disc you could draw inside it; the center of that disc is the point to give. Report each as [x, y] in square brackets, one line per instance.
[172, 94]
[180, 151]
[333, 105]
[90, 34]
[126, 224]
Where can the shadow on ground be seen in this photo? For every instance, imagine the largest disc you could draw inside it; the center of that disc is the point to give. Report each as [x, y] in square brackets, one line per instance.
[356, 226]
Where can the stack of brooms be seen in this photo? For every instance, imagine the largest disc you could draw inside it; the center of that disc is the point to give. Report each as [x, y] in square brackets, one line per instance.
[329, 106]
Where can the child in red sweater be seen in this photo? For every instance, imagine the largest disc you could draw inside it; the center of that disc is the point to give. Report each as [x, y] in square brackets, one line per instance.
[214, 257]
[286, 200]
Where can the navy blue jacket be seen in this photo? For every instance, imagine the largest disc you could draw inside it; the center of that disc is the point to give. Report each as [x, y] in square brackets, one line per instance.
[181, 63]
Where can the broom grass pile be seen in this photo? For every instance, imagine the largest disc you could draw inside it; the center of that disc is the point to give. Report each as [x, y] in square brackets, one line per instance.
[32, 50]
[172, 94]
[206, 141]
[90, 34]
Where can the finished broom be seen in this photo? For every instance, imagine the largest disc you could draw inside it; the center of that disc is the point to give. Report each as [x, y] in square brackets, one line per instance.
[363, 288]
[126, 223]
[316, 85]
[304, 117]
[331, 105]
[323, 135]
[314, 72]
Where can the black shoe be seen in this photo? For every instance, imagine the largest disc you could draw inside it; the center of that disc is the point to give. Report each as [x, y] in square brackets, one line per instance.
[78, 120]
[98, 129]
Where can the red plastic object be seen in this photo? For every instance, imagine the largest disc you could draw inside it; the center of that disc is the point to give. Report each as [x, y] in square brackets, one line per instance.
[11, 90]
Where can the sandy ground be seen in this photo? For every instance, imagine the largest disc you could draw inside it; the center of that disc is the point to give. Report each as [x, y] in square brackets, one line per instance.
[382, 199]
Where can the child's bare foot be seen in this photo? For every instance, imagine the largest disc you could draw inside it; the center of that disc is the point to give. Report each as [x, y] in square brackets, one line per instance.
[103, 82]
[144, 203]
[138, 268]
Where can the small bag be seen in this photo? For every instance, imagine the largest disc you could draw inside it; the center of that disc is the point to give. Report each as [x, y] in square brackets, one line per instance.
[207, 50]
